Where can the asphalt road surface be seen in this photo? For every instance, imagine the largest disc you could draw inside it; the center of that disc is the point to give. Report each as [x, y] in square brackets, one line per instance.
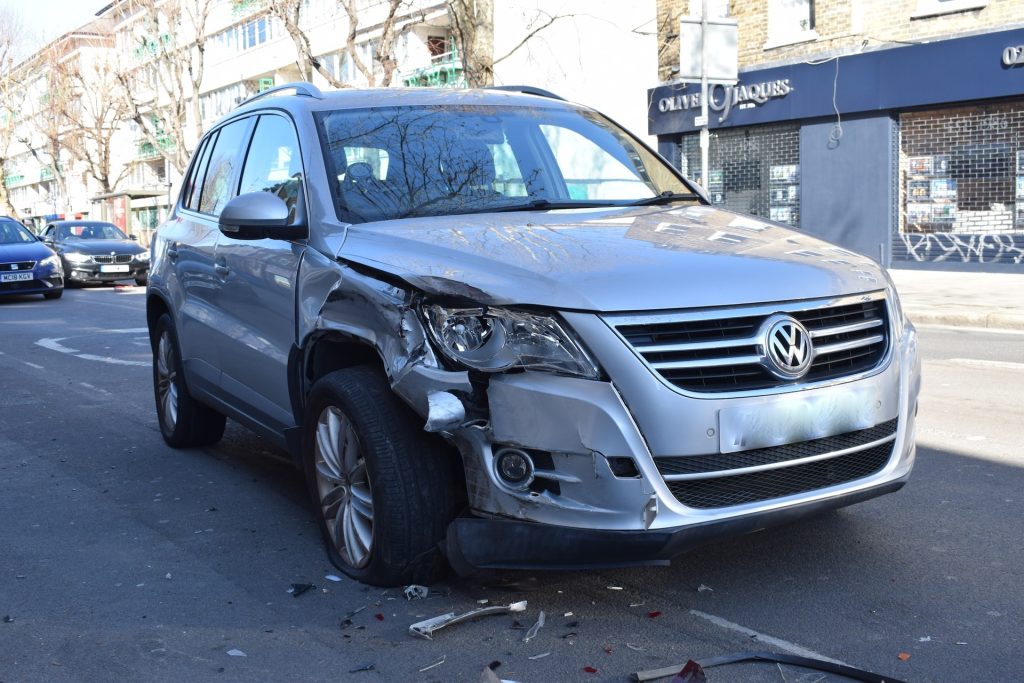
[122, 559]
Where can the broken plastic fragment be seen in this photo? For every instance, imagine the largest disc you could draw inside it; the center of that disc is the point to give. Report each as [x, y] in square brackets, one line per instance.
[532, 633]
[654, 615]
[427, 627]
[237, 653]
[333, 577]
[924, 639]
[704, 589]
[904, 656]
[590, 669]
[691, 673]
[773, 657]
[444, 411]
[378, 616]
[614, 588]
[415, 592]
[438, 663]
[636, 648]
[542, 655]
[369, 666]
[8, 619]
[298, 589]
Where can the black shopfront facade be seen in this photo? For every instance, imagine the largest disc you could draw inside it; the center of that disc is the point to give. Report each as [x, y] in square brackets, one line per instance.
[906, 154]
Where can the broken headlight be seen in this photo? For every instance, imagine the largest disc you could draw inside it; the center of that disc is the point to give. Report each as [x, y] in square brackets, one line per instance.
[496, 339]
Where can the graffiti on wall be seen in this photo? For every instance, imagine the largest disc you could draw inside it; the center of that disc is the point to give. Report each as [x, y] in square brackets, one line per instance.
[968, 248]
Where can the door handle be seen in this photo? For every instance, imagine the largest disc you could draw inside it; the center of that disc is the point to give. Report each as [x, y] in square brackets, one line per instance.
[221, 269]
[172, 253]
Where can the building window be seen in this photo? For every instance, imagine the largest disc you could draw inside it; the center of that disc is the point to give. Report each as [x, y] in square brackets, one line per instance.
[717, 9]
[789, 22]
[931, 8]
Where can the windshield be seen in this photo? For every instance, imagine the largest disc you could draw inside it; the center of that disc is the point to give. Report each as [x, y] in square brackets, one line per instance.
[90, 231]
[398, 162]
[14, 233]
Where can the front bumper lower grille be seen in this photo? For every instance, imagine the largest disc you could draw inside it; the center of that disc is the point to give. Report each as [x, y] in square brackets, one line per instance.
[722, 350]
[726, 479]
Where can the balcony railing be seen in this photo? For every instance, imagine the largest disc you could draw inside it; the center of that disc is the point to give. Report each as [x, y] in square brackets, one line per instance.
[445, 71]
[146, 150]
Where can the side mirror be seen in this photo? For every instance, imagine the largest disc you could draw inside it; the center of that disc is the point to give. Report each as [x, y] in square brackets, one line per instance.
[40, 238]
[259, 215]
[133, 237]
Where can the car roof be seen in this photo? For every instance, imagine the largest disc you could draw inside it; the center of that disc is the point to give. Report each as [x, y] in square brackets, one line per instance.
[363, 98]
[73, 222]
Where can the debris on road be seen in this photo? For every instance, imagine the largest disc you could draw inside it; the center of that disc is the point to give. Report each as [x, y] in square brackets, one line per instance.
[705, 589]
[333, 577]
[379, 616]
[924, 639]
[532, 633]
[590, 669]
[488, 676]
[695, 673]
[427, 627]
[540, 656]
[654, 615]
[414, 592]
[614, 588]
[635, 648]
[369, 666]
[237, 653]
[8, 619]
[903, 656]
[167, 575]
[298, 589]
[436, 664]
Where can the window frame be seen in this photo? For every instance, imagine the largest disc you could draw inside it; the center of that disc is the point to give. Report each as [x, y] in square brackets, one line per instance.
[233, 181]
[302, 202]
[780, 37]
[935, 8]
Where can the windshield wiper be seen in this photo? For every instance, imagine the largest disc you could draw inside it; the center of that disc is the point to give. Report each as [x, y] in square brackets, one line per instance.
[666, 197]
[542, 205]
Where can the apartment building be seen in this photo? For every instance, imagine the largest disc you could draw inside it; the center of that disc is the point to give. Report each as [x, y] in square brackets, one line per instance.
[598, 52]
[892, 127]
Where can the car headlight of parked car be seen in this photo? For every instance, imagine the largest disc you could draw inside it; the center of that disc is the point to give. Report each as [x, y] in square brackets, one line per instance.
[496, 339]
[51, 262]
[142, 257]
[74, 257]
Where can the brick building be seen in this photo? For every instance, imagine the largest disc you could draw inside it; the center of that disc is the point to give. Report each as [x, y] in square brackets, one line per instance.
[892, 127]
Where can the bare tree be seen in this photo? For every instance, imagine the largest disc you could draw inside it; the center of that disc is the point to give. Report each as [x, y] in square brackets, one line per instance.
[172, 62]
[46, 131]
[11, 95]
[472, 23]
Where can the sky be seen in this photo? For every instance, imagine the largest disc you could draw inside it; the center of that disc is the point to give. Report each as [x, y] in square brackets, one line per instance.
[46, 19]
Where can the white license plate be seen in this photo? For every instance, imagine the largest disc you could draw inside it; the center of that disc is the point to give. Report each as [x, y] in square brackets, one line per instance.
[15, 277]
[114, 269]
[799, 417]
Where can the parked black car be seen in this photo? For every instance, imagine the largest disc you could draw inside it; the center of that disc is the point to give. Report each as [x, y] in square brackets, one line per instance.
[95, 251]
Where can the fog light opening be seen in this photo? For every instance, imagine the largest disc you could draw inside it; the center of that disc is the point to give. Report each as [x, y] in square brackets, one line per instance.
[514, 467]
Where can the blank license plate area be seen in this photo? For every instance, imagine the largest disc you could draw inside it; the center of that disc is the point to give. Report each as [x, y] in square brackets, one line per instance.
[15, 277]
[113, 269]
[794, 418]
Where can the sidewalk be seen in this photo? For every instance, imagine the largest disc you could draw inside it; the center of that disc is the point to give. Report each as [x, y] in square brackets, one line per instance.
[964, 299]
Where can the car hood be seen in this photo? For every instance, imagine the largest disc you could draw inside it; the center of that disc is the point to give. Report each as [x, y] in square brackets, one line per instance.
[93, 247]
[26, 251]
[617, 259]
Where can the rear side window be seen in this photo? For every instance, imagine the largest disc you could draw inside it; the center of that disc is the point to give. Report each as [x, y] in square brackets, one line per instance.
[273, 163]
[191, 187]
[217, 184]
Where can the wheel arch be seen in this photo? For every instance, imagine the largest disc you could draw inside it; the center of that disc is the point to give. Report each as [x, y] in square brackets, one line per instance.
[156, 306]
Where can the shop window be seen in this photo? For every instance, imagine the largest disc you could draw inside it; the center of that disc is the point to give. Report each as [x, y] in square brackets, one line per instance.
[754, 171]
[962, 171]
[790, 21]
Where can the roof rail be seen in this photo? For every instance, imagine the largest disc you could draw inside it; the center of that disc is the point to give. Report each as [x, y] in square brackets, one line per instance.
[297, 88]
[528, 90]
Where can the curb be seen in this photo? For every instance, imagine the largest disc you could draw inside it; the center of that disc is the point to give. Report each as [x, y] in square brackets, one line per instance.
[994, 320]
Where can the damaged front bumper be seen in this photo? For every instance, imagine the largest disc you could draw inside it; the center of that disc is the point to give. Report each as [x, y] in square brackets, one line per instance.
[600, 496]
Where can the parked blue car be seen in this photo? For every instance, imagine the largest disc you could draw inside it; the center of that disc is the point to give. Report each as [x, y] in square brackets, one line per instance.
[27, 266]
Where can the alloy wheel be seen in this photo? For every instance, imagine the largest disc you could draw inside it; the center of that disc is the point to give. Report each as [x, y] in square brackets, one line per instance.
[167, 380]
[343, 485]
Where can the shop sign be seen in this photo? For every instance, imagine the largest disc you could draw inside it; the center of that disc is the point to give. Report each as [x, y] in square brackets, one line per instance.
[723, 98]
[1012, 56]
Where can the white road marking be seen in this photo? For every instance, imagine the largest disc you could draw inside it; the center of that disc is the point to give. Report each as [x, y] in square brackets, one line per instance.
[789, 647]
[94, 388]
[54, 344]
[129, 330]
[988, 364]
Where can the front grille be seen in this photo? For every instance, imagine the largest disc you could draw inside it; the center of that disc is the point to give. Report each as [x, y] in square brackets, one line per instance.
[723, 462]
[721, 350]
[112, 258]
[722, 492]
[18, 266]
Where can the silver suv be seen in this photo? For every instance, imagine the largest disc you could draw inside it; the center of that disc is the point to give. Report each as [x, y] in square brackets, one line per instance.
[497, 331]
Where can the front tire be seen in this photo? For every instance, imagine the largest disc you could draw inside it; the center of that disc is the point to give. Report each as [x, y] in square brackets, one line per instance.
[54, 294]
[384, 491]
[184, 421]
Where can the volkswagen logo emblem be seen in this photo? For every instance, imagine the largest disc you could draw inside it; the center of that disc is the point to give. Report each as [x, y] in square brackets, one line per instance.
[787, 349]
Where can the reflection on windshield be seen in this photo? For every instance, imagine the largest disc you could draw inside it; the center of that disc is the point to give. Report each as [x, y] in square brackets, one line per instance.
[94, 231]
[398, 162]
[12, 233]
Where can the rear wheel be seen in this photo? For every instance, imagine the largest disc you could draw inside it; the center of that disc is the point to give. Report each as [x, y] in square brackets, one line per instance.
[184, 421]
[384, 490]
